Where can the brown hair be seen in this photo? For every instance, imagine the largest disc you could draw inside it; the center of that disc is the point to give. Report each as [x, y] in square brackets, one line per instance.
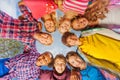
[51, 56]
[72, 53]
[76, 18]
[64, 38]
[59, 56]
[47, 34]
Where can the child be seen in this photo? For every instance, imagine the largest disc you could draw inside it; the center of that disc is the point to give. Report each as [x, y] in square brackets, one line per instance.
[95, 17]
[87, 71]
[92, 44]
[44, 38]
[59, 72]
[25, 66]
[65, 21]
[25, 31]
[49, 22]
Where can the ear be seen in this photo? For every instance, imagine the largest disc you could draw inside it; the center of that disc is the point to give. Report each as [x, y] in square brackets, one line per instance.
[39, 26]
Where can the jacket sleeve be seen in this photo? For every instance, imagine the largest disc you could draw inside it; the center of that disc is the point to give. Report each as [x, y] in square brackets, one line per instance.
[26, 13]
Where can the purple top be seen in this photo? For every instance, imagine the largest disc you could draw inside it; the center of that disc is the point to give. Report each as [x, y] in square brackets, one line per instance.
[51, 75]
[23, 66]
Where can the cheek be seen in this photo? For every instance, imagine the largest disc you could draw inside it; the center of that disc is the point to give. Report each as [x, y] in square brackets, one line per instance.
[56, 67]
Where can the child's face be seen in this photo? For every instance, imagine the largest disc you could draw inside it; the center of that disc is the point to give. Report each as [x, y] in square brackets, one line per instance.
[72, 40]
[80, 24]
[77, 62]
[65, 26]
[50, 26]
[83, 22]
[76, 25]
[43, 60]
[45, 39]
[59, 65]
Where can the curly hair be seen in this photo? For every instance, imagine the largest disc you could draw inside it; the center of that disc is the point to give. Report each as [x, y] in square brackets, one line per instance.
[97, 10]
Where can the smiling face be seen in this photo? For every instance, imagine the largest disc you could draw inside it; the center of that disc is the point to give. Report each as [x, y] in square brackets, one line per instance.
[44, 38]
[83, 22]
[64, 26]
[73, 40]
[76, 62]
[49, 25]
[60, 64]
[44, 59]
[75, 25]
[79, 24]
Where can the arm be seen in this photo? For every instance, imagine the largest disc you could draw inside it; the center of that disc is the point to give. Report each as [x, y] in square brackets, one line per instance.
[92, 73]
[97, 75]
[26, 14]
[103, 31]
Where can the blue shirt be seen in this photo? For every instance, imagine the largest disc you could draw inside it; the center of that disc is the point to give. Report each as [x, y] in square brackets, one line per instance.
[91, 73]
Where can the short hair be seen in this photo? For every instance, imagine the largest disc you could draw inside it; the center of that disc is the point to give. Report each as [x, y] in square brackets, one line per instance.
[71, 53]
[65, 36]
[51, 56]
[59, 56]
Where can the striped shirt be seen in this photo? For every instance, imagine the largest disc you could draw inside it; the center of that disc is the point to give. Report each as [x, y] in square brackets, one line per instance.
[76, 5]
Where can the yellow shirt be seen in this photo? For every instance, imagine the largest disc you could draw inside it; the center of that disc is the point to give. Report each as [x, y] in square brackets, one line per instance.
[102, 47]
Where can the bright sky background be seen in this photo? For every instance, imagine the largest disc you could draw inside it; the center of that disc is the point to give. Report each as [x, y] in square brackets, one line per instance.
[10, 7]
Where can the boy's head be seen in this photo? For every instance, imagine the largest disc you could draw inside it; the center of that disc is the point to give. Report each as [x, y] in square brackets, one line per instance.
[64, 25]
[75, 60]
[44, 38]
[44, 59]
[79, 22]
[70, 39]
[59, 63]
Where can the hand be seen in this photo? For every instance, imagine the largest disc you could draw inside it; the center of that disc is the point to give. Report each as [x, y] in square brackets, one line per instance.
[75, 75]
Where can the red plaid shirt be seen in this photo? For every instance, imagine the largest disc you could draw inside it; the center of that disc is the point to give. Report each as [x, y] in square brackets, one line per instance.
[21, 30]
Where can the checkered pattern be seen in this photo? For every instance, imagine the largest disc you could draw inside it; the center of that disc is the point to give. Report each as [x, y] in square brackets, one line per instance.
[17, 29]
[23, 66]
[76, 5]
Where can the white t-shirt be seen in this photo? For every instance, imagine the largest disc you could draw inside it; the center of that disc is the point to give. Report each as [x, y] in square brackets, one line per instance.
[112, 17]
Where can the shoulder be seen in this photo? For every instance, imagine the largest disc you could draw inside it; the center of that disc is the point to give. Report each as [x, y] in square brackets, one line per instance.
[45, 74]
[92, 69]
